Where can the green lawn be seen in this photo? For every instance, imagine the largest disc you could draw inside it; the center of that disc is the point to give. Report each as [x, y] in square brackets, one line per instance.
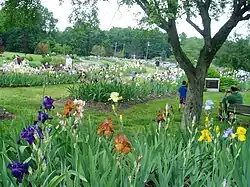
[36, 58]
[25, 102]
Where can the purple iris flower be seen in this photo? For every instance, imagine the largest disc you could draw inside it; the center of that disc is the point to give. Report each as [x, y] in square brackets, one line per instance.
[39, 132]
[227, 133]
[29, 132]
[42, 116]
[18, 169]
[48, 103]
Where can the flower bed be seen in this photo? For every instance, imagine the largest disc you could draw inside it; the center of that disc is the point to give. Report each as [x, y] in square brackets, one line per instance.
[70, 150]
[100, 91]
[24, 79]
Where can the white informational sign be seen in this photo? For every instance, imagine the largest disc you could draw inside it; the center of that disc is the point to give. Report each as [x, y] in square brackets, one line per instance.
[212, 84]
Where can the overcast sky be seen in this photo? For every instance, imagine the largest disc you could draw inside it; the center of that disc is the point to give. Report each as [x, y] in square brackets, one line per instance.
[111, 15]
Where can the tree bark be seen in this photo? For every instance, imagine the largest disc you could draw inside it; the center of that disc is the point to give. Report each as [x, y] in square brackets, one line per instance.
[193, 109]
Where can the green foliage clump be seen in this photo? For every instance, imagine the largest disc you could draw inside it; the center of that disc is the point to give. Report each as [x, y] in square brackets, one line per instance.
[24, 79]
[98, 50]
[213, 73]
[227, 82]
[30, 58]
[57, 61]
[46, 59]
[100, 91]
[234, 54]
[62, 49]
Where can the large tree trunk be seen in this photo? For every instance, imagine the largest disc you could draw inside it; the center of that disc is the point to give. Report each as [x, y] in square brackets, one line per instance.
[193, 108]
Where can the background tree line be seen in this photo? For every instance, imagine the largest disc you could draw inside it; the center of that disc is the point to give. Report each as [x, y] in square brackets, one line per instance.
[27, 26]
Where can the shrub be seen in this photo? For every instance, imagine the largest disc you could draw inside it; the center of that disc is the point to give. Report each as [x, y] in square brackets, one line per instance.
[43, 48]
[213, 73]
[62, 49]
[8, 58]
[30, 58]
[98, 50]
[57, 61]
[227, 82]
[46, 59]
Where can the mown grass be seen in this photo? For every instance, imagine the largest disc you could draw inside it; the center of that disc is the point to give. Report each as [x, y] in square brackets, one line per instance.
[36, 58]
[25, 102]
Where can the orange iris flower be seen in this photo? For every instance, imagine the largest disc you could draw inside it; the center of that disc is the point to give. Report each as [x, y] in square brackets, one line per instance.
[122, 144]
[161, 117]
[68, 107]
[106, 127]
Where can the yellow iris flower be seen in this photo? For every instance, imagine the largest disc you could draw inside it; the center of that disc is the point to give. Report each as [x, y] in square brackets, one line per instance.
[242, 138]
[205, 136]
[241, 132]
[114, 96]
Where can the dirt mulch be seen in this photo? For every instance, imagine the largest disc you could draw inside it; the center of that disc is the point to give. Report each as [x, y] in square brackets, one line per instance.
[106, 107]
[4, 115]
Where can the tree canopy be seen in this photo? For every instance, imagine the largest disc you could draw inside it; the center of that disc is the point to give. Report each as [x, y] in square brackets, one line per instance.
[235, 54]
[24, 23]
